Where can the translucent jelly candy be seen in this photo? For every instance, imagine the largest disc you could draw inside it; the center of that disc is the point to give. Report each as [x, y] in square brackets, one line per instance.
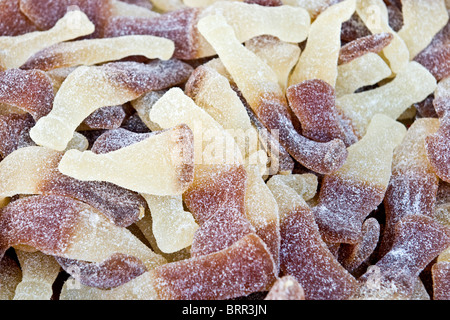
[280, 160]
[216, 199]
[412, 84]
[45, 13]
[435, 56]
[354, 257]
[314, 104]
[320, 57]
[63, 226]
[433, 17]
[95, 51]
[14, 129]
[10, 277]
[212, 92]
[418, 240]
[375, 15]
[281, 56]
[31, 91]
[130, 9]
[251, 20]
[303, 254]
[414, 184]
[366, 70]
[361, 46]
[17, 50]
[168, 5]
[104, 118]
[39, 272]
[162, 164]
[261, 210]
[348, 196]
[286, 288]
[441, 277]
[178, 26]
[13, 21]
[212, 143]
[437, 144]
[172, 226]
[266, 99]
[111, 273]
[315, 8]
[239, 270]
[87, 89]
[34, 170]
[112, 140]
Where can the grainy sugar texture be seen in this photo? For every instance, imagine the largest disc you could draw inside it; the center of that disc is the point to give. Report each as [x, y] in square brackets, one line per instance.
[224, 150]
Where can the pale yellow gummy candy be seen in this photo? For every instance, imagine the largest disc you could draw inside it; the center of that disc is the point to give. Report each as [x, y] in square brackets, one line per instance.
[287, 23]
[10, 277]
[140, 288]
[281, 56]
[168, 5]
[304, 184]
[314, 7]
[261, 209]
[413, 84]
[370, 159]
[39, 272]
[160, 165]
[95, 51]
[320, 57]
[85, 90]
[212, 143]
[22, 171]
[15, 51]
[214, 94]
[422, 19]
[251, 74]
[366, 70]
[411, 154]
[173, 227]
[374, 14]
[95, 239]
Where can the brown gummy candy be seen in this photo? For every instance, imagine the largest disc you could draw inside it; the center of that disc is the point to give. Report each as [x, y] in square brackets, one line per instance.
[178, 26]
[30, 90]
[106, 118]
[111, 273]
[115, 139]
[438, 144]
[413, 185]
[314, 103]
[266, 3]
[419, 239]
[355, 257]
[359, 47]
[45, 13]
[243, 268]
[353, 29]
[14, 132]
[12, 21]
[217, 201]
[46, 223]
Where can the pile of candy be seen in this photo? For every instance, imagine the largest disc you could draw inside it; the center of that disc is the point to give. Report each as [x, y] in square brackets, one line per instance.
[212, 150]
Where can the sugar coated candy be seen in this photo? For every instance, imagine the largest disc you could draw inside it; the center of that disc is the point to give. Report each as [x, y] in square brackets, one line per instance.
[17, 50]
[39, 272]
[322, 278]
[437, 144]
[62, 226]
[265, 97]
[224, 150]
[349, 195]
